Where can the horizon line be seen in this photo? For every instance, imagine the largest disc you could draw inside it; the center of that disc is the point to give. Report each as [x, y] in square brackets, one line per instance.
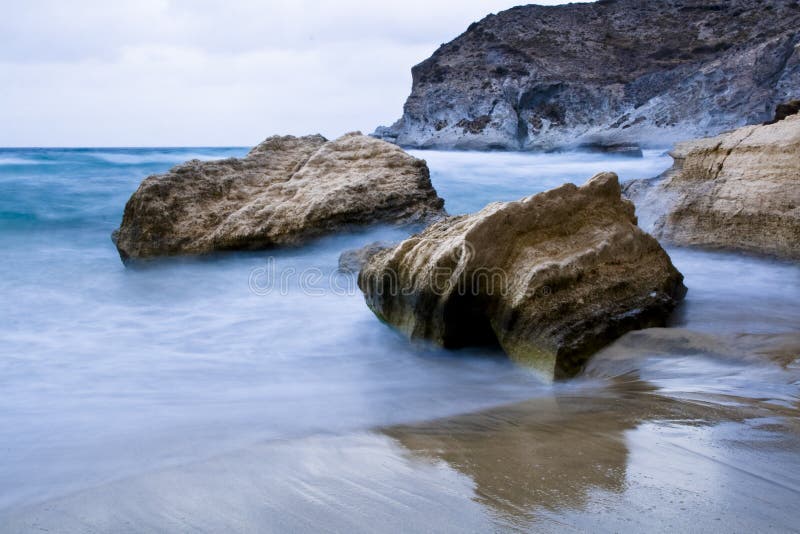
[121, 146]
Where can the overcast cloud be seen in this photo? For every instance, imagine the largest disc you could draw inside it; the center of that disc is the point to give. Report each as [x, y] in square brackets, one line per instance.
[208, 72]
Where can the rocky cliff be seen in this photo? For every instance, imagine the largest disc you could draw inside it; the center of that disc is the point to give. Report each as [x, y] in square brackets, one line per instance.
[609, 73]
[285, 190]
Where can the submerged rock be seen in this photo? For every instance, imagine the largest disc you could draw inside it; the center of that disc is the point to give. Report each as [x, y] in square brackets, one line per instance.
[630, 150]
[607, 73]
[739, 190]
[552, 277]
[285, 190]
[354, 259]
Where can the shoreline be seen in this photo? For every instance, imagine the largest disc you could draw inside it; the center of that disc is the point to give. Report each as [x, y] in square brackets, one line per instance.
[544, 463]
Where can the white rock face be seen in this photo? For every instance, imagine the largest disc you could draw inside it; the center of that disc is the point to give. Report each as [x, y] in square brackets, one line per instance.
[285, 190]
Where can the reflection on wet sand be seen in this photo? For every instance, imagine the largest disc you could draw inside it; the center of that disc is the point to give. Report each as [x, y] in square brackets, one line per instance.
[602, 459]
[550, 456]
[614, 452]
[543, 452]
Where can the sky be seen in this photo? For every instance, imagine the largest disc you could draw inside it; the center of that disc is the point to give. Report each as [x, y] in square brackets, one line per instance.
[213, 73]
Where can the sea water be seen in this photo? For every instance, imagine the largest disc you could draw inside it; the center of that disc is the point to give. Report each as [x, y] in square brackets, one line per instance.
[111, 377]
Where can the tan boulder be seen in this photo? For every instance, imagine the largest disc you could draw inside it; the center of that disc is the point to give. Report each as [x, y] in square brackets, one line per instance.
[285, 190]
[739, 190]
[552, 277]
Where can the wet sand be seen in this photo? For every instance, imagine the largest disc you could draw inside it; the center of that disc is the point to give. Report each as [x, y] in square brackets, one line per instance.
[626, 459]
[610, 452]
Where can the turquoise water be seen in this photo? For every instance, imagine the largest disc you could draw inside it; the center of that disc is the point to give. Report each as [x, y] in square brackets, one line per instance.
[107, 372]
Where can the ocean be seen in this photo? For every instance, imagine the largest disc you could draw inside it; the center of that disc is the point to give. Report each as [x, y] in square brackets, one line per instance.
[183, 395]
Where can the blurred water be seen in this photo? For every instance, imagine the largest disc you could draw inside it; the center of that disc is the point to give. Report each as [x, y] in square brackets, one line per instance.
[470, 180]
[107, 372]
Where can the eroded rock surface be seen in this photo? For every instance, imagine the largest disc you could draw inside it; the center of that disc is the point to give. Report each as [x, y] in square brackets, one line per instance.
[285, 190]
[552, 277]
[613, 72]
[739, 190]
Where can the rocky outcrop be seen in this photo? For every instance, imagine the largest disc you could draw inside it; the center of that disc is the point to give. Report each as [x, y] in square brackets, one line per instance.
[739, 190]
[285, 190]
[552, 277]
[612, 72]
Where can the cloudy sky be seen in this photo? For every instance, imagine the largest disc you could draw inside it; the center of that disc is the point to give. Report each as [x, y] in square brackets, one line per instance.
[209, 72]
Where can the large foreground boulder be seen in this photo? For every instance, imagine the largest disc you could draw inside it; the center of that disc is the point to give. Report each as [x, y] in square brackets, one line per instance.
[552, 277]
[739, 190]
[285, 190]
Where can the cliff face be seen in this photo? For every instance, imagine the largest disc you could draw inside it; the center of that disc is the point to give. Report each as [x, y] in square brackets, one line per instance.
[606, 73]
